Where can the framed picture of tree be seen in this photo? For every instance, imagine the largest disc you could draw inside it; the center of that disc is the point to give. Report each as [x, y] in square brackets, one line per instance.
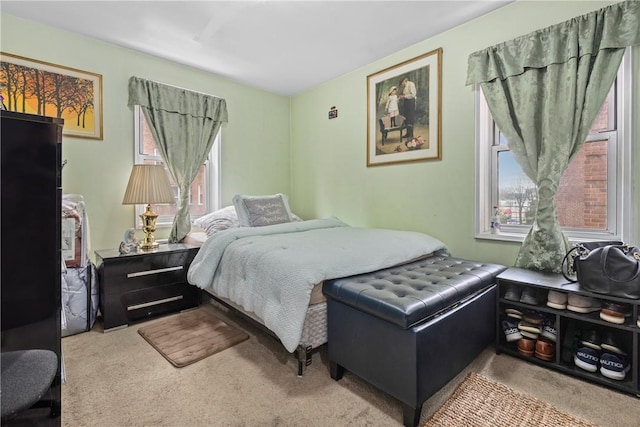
[36, 87]
[404, 111]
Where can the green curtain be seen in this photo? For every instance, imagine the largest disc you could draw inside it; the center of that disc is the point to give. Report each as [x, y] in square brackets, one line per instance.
[184, 125]
[544, 91]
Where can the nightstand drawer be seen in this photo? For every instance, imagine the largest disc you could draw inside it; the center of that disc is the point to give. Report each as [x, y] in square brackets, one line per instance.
[142, 272]
[162, 299]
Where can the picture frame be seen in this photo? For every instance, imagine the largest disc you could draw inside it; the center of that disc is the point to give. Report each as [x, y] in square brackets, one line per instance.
[37, 87]
[405, 125]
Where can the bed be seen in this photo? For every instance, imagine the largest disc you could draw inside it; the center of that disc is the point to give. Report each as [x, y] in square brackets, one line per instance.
[272, 271]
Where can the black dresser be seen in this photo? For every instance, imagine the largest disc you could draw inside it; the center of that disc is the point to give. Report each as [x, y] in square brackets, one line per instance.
[31, 251]
[144, 284]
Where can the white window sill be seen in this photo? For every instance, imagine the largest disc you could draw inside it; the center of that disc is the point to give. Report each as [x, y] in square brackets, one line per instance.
[502, 236]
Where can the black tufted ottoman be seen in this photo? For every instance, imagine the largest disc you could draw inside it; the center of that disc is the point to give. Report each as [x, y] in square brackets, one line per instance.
[410, 329]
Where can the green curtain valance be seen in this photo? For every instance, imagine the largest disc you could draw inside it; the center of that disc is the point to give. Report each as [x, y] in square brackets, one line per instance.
[615, 26]
[158, 96]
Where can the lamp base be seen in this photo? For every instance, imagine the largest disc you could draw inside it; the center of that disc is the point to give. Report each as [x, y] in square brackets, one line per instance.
[149, 227]
[144, 246]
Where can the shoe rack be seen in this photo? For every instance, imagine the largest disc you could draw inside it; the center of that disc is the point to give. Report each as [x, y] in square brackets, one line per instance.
[570, 326]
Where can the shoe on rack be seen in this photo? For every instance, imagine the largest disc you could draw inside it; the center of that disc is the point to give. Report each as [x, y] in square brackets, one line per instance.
[582, 304]
[511, 331]
[638, 321]
[549, 328]
[512, 293]
[586, 358]
[514, 313]
[530, 296]
[592, 340]
[614, 366]
[533, 317]
[545, 350]
[525, 326]
[557, 300]
[529, 330]
[615, 313]
[526, 347]
[611, 343]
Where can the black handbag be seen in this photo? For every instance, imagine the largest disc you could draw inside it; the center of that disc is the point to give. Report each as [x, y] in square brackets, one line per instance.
[611, 270]
[571, 258]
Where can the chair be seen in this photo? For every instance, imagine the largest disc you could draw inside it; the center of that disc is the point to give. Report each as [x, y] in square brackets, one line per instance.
[26, 376]
[385, 126]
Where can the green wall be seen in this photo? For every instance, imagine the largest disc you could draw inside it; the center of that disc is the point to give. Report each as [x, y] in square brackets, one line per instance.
[255, 148]
[277, 144]
[328, 157]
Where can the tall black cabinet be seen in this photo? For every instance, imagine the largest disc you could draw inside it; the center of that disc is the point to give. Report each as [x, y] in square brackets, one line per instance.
[30, 267]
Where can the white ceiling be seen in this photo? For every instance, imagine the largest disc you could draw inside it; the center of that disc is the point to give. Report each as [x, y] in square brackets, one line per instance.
[283, 47]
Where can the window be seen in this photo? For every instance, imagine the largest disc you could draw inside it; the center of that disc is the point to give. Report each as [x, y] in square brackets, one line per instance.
[205, 189]
[594, 197]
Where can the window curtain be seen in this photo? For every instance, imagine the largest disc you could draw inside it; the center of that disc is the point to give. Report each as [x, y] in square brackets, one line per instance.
[184, 125]
[544, 91]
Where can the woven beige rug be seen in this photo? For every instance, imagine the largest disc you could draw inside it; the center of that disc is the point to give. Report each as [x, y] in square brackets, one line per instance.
[191, 336]
[479, 401]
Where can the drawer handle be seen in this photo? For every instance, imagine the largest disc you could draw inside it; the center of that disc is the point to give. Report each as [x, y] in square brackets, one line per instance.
[148, 272]
[152, 303]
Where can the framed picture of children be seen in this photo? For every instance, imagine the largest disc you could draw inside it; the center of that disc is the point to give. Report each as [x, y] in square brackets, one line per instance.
[404, 104]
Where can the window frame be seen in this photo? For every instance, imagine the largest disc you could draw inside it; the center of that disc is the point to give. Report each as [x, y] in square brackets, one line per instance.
[619, 168]
[212, 173]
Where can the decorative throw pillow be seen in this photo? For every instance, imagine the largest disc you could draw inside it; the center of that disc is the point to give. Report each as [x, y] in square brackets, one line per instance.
[256, 211]
[219, 220]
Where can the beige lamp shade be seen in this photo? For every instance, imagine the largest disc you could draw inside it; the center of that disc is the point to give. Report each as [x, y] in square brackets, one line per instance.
[148, 184]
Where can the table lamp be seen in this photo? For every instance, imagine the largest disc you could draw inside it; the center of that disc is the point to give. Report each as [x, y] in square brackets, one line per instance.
[148, 184]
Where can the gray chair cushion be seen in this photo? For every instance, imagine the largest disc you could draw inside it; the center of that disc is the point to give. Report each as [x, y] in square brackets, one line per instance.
[26, 376]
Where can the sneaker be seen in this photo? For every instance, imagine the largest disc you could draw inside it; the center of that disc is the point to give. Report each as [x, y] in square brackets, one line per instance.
[582, 304]
[511, 331]
[514, 313]
[611, 343]
[530, 296]
[512, 293]
[528, 327]
[549, 328]
[557, 300]
[586, 358]
[533, 317]
[614, 366]
[591, 339]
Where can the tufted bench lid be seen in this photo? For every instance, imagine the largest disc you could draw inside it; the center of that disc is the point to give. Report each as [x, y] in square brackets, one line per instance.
[410, 293]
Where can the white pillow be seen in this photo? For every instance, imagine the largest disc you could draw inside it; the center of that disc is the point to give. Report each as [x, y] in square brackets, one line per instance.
[219, 220]
[256, 211]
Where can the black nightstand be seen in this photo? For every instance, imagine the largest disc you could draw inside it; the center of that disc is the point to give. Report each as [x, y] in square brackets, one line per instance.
[140, 285]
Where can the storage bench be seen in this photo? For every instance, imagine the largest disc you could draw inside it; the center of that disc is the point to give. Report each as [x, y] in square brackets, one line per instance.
[410, 329]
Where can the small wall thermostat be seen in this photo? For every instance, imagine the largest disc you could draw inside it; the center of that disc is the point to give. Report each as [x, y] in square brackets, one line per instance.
[333, 113]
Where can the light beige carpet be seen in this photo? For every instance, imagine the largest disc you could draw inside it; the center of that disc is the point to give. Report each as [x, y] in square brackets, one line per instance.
[187, 337]
[478, 401]
[117, 379]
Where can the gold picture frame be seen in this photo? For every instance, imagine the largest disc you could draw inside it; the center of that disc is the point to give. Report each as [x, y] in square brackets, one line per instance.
[404, 111]
[36, 87]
